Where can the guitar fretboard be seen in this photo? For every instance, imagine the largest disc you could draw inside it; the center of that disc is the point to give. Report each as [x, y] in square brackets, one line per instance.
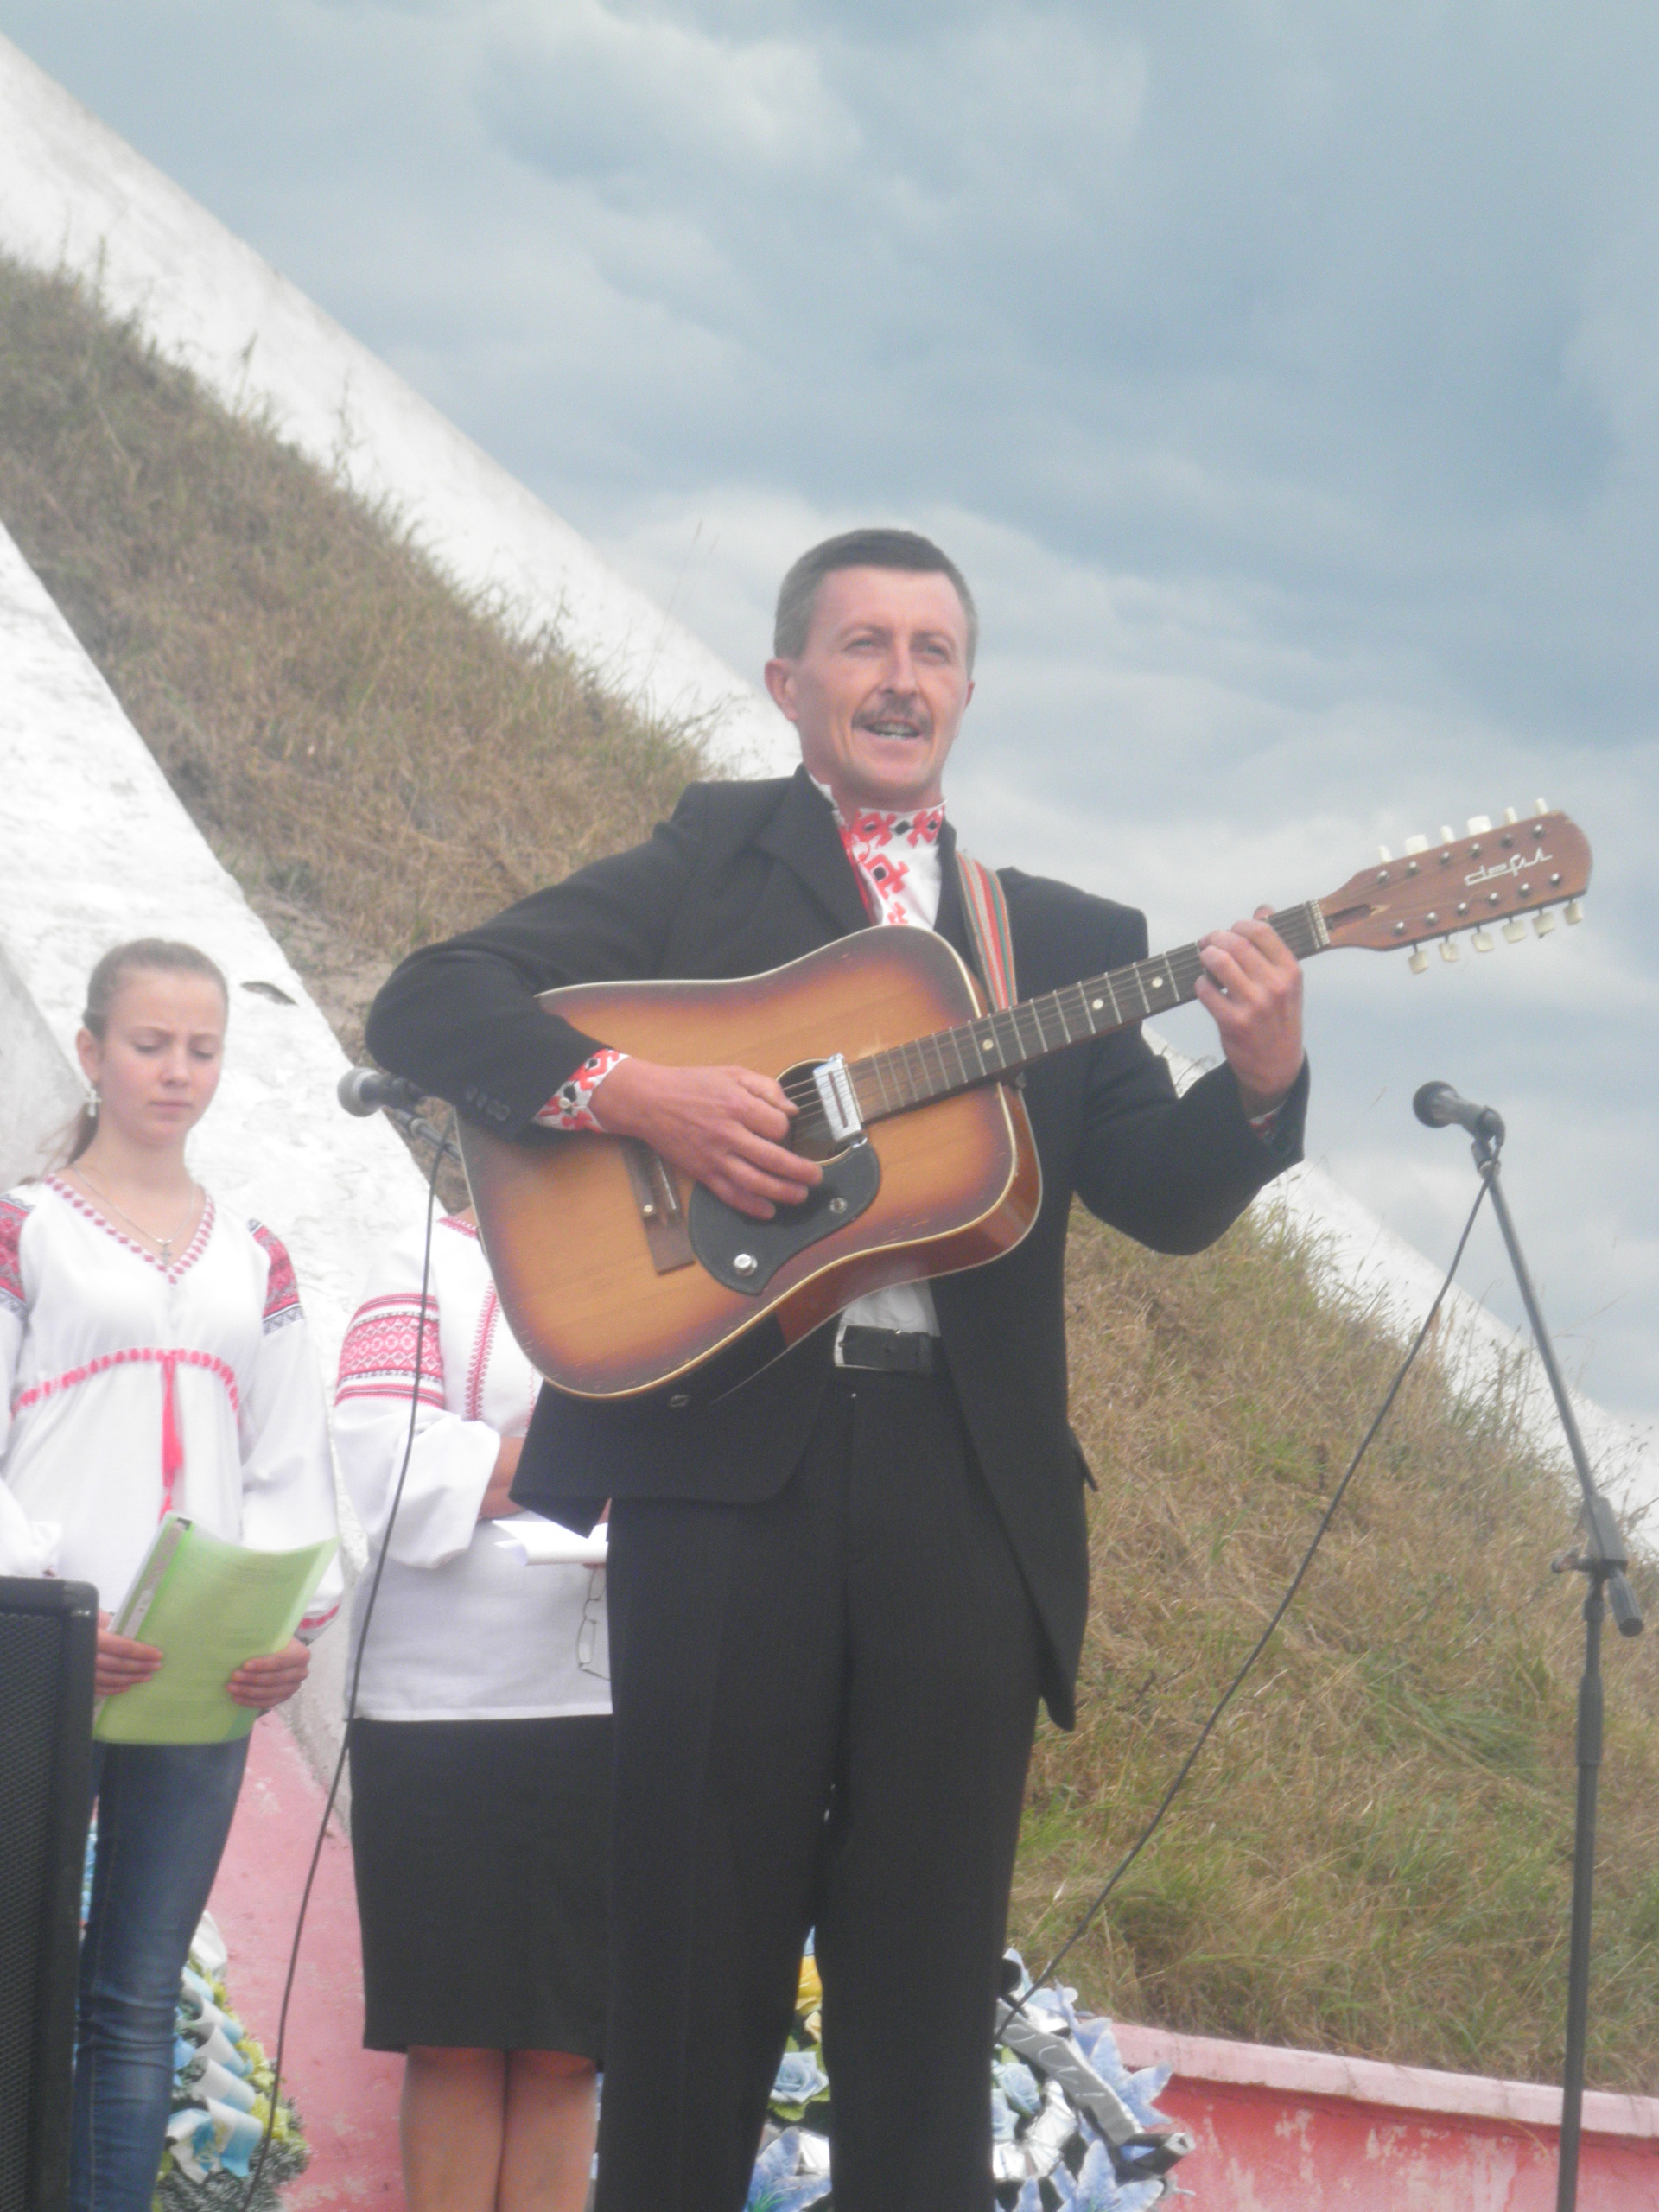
[900, 1077]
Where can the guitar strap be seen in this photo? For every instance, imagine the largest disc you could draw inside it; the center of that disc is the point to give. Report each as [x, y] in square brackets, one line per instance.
[987, 909]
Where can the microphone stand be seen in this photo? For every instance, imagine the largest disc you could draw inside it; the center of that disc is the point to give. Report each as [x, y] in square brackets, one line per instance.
[1603, 1559]
[416, 1125]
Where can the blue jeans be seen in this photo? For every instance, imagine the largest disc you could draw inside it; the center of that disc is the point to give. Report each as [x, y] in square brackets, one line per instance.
[163, 1813]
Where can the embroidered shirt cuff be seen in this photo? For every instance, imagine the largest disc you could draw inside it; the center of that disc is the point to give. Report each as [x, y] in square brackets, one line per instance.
[571, 1105]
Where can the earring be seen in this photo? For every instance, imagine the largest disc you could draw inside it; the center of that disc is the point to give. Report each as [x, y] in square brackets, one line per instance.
[94, 1101]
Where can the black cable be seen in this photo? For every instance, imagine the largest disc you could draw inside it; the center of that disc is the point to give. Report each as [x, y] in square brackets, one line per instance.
[1261, 1644]
[440, 1149]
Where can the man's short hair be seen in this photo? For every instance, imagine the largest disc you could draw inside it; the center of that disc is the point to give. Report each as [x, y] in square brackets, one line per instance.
[860, 549]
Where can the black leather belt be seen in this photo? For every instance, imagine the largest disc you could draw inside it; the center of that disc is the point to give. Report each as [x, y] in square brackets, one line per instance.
[892, 1351]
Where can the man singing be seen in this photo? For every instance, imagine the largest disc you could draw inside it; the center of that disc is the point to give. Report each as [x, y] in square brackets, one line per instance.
[838, 1592]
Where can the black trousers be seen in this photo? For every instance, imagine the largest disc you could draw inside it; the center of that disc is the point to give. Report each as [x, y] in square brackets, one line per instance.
[824, 1709]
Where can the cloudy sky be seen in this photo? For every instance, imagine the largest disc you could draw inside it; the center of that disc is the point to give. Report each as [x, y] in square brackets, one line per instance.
[1285, 373]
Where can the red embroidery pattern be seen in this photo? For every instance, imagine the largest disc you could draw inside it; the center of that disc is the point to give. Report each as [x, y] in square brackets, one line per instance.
[136, 1356]
[874, 844]
[570, 1107]
[191, 1252]
[377, 1359]
[12, 1218]
[169, 1360]
[480, 1358]
[281, 1291]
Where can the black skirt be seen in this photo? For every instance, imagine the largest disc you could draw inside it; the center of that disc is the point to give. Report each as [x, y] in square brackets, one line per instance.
[482, 1861]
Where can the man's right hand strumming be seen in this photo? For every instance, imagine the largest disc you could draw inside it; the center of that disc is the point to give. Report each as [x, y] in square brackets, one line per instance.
[723, 1127]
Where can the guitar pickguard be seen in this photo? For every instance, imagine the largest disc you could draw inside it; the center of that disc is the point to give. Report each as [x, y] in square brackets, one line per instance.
[745, 1253]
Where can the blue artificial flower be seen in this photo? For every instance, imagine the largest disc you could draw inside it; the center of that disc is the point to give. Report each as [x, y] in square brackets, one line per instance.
[1001, 2117]
[1030, 2198]
[774, 2187]
[1095, 2186]
[800, 2079]
[1018, 2084]
[1099, 2044]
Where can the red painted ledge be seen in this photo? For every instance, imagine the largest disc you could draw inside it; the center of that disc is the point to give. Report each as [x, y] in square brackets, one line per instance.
[1302, 2130]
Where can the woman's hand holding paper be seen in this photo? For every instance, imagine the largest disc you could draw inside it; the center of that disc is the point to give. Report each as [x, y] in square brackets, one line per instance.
[121, 1663]
[261, 1683]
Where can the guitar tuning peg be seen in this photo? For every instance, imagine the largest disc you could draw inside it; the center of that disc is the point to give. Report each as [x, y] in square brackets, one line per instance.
[1419, 960]
[1543, 922]
[1510, 815]
[1540, 806]
[1515, 929]
[1447, 834]
[1573, 913]
[1415, 844]
[1479, 824]
[1448, 951]
[1481, 941]
[1383, 854]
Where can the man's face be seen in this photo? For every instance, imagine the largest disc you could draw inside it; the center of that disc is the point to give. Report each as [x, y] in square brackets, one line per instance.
[877, 693]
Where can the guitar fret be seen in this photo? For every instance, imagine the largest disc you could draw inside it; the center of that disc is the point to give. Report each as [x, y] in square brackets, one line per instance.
[917, 1071]
[947, 1062]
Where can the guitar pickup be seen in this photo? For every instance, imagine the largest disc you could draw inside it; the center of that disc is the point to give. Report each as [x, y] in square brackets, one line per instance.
[838, 1098]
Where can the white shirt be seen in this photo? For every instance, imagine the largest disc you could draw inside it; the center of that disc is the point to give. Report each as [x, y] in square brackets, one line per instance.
[128, 1387]
[908, 1305]
[463, 1628]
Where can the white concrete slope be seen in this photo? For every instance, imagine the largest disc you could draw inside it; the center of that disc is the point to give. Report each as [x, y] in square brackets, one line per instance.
[74, 195]
[98, 849]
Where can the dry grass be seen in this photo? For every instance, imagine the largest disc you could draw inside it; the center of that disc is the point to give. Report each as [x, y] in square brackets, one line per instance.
[373, 755]
[1375, 1854]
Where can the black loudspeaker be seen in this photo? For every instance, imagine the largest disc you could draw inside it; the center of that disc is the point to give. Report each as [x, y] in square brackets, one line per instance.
[48, 1647]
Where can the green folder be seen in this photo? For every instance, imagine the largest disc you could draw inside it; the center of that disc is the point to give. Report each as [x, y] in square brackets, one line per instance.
[207, 1606]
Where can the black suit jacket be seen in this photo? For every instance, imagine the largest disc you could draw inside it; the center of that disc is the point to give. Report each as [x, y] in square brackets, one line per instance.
[745, 877]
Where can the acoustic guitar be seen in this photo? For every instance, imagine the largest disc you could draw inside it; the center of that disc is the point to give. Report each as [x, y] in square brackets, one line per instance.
[622, 1280]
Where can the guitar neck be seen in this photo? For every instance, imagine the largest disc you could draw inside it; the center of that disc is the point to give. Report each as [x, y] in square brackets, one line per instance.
[999, 1044]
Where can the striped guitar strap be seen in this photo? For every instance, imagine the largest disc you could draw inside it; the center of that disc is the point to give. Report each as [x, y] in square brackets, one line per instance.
[987, 910]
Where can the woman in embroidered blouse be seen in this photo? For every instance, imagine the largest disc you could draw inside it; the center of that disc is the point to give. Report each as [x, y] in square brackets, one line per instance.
[480, 1754]
[152, 1357]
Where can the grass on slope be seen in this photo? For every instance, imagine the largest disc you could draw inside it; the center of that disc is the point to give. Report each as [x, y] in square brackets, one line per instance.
[1375, 1854]
[1374, 1851]
[372, 755]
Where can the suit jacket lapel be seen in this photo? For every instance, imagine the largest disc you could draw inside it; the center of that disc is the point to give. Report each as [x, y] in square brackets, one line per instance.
[803, 834]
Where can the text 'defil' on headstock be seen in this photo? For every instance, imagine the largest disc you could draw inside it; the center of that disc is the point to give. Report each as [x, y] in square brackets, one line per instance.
[1491, 877]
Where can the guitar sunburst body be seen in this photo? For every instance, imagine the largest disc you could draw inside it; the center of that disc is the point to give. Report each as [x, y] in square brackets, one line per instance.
[572, 1259]
[620, 1281]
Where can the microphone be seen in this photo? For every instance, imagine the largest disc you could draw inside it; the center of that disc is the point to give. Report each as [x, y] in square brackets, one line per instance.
[364, 1091]
[1437, 1106]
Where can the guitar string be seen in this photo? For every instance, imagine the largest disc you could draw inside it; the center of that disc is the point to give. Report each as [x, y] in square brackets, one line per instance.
[906, 1066]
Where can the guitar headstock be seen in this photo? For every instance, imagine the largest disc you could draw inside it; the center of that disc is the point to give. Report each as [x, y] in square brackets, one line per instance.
[1494, 874]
